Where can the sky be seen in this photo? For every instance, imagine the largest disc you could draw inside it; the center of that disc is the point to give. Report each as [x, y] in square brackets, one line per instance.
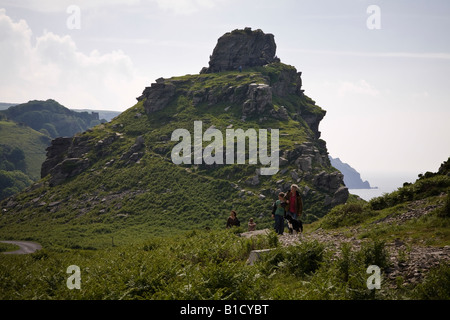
[381, 69]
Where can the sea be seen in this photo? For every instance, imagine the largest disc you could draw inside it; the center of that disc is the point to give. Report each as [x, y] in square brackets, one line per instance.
[383, 183]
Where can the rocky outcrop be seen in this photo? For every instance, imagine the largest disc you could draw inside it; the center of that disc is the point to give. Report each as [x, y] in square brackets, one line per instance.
[329, 181]
[66, 158]
[242, 49]
[259, 99]
[158, 95]
[135, 153]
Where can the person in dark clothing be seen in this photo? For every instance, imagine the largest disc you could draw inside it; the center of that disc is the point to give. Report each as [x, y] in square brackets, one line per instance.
[278, 212]
[233, 221]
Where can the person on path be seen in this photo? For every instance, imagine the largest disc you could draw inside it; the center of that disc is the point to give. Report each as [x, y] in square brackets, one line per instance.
[294, 203]
[278, 212]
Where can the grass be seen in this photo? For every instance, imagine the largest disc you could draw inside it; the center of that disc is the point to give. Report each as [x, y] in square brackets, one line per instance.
[197, 265]
[32, 143]
[5, 247]
[153, 230]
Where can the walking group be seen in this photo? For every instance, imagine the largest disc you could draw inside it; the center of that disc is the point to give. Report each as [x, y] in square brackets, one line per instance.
[289, 207]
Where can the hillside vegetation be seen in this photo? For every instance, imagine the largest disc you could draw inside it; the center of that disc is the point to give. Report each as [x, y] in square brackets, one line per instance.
[127, 189]
[26, 131]
[22, 148]
[130, 255]
[51, 118]
[112, 202]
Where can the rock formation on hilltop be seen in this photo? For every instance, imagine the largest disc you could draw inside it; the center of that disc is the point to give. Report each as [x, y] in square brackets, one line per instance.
[257, 91]
[242, 49]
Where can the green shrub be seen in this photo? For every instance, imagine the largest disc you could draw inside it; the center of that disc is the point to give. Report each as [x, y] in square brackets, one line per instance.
[346, 215]
[345, 261]
[304, 258]
[375, 253]
[298, 260]
[444, 212]
[351, 267]
[436, 285]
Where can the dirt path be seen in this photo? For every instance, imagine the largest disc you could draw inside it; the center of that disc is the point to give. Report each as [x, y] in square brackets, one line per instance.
[25, 247]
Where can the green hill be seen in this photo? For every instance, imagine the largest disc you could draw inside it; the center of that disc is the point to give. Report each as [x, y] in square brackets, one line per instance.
[118, 179]
[30, 147]
[112, 201]
[51, 118]
[407, 239]
[24, 132]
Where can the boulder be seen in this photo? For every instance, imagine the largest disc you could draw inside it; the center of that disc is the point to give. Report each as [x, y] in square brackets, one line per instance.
[259, 99]
[340, 196]
[241, 49]
[329, 182]
[157, 96]
[280, 114]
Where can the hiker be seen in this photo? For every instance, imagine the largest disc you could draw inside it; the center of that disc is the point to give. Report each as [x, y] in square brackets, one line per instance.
[294, 203]
[278, 212]
[233, 221]
[251, 225]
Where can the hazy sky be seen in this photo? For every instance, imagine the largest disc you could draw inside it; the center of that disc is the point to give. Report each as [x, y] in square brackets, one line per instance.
[385, 89]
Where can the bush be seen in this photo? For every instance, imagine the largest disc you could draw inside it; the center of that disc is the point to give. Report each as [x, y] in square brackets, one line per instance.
[375, 253]
[352, 266]
[345, 262]
[299, 260]
[426, 186]
[304, 258]
[444, 212]
[436, 285]
[12, 182]
[346, 215]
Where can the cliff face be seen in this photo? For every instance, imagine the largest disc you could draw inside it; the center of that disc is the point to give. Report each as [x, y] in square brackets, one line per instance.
[352, 178]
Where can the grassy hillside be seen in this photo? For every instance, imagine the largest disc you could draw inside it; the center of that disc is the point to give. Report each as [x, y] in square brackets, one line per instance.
[51, 118]
[329, 261]
[29, 141]
[124, 199]
[140, 227]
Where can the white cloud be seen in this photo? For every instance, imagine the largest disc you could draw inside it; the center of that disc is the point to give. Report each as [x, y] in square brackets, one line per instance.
[400, 55]
[62, 5]
[184, 7]
[51, 66]
[179, 7]
[361, 87]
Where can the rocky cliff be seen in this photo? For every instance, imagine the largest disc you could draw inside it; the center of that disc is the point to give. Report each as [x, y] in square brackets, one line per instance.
[352, 178]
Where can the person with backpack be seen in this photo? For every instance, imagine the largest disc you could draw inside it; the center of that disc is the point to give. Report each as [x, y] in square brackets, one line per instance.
[278, 212]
